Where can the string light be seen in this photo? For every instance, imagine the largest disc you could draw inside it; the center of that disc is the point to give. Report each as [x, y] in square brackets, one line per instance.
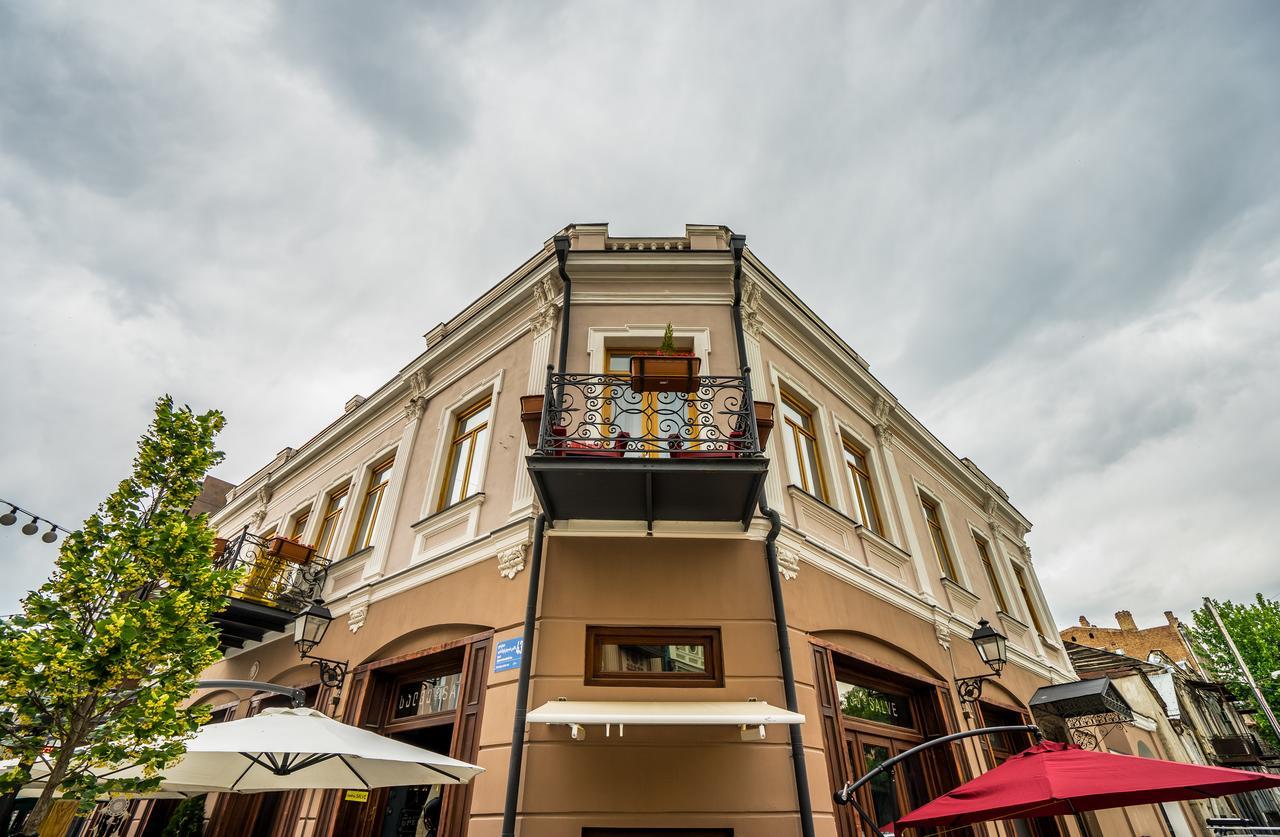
[33, 525]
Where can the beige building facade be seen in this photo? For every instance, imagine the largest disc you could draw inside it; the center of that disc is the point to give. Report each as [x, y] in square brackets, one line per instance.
[651, 584]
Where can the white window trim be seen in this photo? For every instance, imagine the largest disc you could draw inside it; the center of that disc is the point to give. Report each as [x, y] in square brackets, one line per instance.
[872, 454]
[947, 534]
[599, 338]
[1015, 566]
[366, 475]
[310, 508]
[444, 433]
[344, 521]
[976, 533]
[821, 420]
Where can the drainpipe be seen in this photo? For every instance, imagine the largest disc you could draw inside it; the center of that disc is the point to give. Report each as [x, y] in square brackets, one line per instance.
[562, 256]
[526, 663]
[737, 243]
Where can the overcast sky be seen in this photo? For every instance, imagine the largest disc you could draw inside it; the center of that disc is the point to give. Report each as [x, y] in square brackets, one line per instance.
[1053, 229]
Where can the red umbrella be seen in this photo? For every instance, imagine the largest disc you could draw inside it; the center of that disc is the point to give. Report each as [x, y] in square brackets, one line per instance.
[1049, 778]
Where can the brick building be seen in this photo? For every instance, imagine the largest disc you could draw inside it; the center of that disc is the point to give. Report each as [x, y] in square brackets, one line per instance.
[1128, 639]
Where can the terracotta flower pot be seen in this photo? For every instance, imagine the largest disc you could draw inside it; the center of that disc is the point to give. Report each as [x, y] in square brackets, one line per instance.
[219, 547]
[531, 417]
[292, 551]
[764, 421]
[665, 373]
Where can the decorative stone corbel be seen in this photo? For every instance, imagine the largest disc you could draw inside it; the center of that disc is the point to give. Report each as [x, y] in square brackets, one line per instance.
[885, 435]
[356, 617]
[788, 563]
[511, 560]
[751, 322]
[942, 627]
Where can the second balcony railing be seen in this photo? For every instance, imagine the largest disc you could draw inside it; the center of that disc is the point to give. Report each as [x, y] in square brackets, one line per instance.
[600, 416]
[273, 575]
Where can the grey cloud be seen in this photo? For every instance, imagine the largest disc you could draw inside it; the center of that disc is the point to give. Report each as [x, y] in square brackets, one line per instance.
[1051, 229]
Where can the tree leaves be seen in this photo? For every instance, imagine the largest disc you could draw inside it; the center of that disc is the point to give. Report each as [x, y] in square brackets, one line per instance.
[1255, 628]
[95, 669]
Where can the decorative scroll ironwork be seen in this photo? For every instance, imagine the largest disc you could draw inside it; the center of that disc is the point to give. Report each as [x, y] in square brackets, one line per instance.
[970, 688]
[1089, 730]
[597, 415]
[270, 579]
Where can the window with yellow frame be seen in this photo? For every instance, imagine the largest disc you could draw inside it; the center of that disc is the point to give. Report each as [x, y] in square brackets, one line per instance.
[642, 415]
[334, 505]
[379, 476]
[800, 438]
[466, 448]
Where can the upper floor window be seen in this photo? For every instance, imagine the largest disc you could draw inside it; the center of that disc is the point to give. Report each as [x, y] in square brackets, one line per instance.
[801, 441]
[647, 656]
[299, 527]
[863, 493]
[989, 567]
[470, 432]
[333, 506]
[1021, 575]
[371, 505]
[933, 518]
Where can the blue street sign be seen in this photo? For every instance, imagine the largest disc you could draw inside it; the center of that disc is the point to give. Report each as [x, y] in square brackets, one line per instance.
[507, 654]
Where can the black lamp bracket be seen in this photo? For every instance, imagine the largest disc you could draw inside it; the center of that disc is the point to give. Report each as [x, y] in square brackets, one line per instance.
[332, 672]
[970, 688]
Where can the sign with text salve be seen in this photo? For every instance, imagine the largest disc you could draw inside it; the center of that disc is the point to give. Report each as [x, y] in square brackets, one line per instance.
[357, 796]
[507, 654]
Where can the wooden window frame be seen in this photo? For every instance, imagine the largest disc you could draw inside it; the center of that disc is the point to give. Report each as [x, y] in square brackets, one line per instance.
[946, 561]
[330, 513]
[600, 635]
[452, 663]
[456, 439]
[989, 566]
[792, 404]
[384, 466]
[851, 450]
[1020, 577]
[298, 526]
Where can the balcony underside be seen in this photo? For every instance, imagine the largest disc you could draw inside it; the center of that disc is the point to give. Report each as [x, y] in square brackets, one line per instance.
[243, 621]
[648, 489]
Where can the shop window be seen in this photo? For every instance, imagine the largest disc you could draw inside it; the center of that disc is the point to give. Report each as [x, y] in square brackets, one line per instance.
[465, 456]
[423, 696]
[379, 476]
[644, 656]
[933, 517]
[855, 459]
[989, 567]
[800, 438]
[868, 703]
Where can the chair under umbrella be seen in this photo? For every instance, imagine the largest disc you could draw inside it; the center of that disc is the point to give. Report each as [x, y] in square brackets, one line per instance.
[1050, 779]
[290, 749]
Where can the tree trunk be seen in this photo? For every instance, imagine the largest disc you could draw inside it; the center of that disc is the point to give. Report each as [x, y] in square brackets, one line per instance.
[31, 825]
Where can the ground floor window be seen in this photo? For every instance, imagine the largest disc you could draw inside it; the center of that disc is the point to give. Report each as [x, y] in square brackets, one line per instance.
[1003, 745]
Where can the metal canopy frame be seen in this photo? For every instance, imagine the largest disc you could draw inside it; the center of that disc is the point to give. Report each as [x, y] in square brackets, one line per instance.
[848, 794]
[1088, 709]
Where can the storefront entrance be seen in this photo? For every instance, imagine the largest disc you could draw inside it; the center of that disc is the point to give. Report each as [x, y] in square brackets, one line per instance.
[869, 715]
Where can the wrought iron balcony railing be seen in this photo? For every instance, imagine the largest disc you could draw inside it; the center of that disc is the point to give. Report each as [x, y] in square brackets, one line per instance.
[270, 578]
[601, 417]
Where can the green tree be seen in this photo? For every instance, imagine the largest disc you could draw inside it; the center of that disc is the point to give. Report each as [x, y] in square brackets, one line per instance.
[1255, 629]
[95, 668]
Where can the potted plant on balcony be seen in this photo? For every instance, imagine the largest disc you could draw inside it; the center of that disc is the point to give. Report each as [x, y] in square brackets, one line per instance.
[531, 417]
[290, 550]
[764, 421]
[666, 370]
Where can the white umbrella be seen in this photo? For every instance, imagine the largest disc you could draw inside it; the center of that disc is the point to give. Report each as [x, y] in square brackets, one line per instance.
[285, 749]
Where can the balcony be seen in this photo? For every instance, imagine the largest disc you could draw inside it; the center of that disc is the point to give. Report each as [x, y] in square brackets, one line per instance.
[608, 452]
[272, 590]
[1239, 750]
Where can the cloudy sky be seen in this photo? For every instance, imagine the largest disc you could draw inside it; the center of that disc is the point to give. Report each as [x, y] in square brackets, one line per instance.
[1054, 230]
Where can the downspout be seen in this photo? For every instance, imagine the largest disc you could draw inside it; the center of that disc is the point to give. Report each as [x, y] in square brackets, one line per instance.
[526, 664]
[736, 244]
[562, 256]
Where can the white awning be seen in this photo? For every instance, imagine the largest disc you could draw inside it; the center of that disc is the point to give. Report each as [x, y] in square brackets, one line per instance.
[579, 713]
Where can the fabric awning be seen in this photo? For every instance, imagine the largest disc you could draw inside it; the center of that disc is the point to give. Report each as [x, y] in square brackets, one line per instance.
[579, 713]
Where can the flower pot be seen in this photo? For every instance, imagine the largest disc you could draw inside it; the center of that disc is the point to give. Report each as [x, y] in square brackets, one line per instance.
[665, 373]
[292, 551]
[219, 547]
[764, 421]
[531, 417]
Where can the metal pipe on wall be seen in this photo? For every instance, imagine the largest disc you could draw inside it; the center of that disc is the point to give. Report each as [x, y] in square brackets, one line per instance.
[516, 762]
[737, 244]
